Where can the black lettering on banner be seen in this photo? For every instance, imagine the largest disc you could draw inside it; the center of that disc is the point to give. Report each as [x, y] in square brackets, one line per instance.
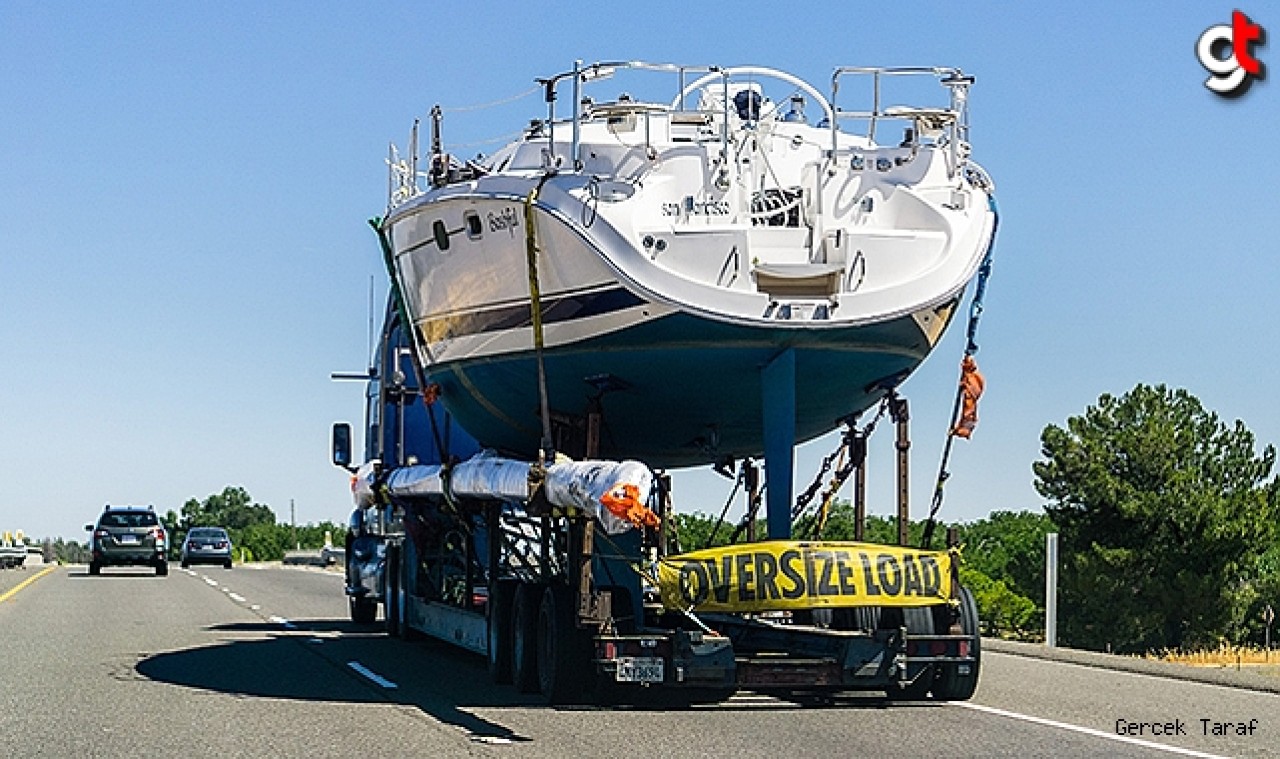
[745, 576]
[809, 567]
[787, 563]
[869, 575]
[693, 583]
[932, 575]
[766, 574]
[827, 586]
[911, 584]
[719, 577]
[890, 574]
[845, 573]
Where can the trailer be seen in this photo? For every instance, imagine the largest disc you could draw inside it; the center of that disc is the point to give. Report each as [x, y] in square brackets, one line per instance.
[567, 575]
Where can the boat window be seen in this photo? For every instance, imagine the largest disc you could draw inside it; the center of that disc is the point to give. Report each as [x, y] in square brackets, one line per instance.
[474, 228]
[441, 235]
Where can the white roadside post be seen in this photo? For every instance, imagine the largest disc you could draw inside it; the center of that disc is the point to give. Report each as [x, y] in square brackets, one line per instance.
[1051, 589]
[1268, 616]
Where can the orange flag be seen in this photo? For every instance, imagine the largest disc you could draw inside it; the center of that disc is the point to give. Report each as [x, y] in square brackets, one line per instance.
[971, 386]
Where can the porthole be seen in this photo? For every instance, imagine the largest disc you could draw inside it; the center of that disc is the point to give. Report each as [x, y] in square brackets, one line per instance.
[441, 235]
[474, 227]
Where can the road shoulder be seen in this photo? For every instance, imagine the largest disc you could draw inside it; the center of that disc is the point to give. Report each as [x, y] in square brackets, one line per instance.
[1226, 677]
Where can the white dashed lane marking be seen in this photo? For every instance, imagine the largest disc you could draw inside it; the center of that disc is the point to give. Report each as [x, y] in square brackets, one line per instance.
[375, 677]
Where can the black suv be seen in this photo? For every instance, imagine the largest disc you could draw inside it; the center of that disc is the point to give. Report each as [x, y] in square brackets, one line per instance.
[128, 535]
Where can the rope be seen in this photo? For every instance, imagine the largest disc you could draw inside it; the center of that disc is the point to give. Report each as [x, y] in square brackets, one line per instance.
[971, 348]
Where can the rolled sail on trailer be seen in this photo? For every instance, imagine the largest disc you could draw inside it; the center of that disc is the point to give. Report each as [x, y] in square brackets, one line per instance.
[615, 492]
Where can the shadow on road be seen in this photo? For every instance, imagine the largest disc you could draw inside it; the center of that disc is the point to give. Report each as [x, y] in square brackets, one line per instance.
[138, 573]
[312, 662]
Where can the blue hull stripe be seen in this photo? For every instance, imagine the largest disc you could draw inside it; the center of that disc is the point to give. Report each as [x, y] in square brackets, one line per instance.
[556, 309]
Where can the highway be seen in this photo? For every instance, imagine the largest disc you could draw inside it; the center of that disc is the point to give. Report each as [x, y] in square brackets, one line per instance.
[261, 661]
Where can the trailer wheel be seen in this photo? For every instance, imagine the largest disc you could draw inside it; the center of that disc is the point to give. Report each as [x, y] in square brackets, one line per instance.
[953, 685]
[499, 626]
[363, 610]
[564, 661]
[524, 637]
[391, 590]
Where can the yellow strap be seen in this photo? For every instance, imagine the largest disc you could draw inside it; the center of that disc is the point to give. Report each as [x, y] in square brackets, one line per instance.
[535, 308]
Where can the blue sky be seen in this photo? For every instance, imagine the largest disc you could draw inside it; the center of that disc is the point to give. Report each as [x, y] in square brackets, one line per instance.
[184, 255]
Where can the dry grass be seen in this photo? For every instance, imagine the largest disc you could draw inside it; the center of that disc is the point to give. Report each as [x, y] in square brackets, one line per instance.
[1224, 656]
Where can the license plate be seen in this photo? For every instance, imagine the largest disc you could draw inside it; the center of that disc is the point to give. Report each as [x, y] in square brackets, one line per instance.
[129, 539]
[639, 669]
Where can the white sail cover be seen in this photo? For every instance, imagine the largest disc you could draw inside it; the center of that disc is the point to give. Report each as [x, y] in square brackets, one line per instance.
[585, 485]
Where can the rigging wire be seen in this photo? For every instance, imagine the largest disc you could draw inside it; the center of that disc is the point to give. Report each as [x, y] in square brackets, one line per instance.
[971, 348]
[494, 104]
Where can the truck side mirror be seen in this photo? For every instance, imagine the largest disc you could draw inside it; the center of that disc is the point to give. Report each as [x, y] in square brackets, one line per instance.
[342, 445]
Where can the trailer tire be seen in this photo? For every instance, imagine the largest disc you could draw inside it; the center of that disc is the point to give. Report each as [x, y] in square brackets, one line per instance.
[564, 658]
[391, 590]
[953, 685]
[499, 624]
[524, 637]
[363, 610]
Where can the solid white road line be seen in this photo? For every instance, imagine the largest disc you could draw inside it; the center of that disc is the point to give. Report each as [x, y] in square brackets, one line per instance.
[1085, 730]
[375, 677]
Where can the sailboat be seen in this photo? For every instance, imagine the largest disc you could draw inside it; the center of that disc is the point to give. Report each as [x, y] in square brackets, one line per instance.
[736, 263]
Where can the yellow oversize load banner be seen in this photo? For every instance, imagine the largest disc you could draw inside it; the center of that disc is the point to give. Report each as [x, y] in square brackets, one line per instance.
[779, 574]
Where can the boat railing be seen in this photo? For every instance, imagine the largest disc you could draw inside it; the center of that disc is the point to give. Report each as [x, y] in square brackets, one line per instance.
[947, 124]
[951, 122]
[581, 75]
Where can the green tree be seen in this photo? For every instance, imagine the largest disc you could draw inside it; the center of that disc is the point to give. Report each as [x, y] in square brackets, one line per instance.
[266, 542]
[1165, 513]
[233, 509]
[1001, 609]
[1008, 546]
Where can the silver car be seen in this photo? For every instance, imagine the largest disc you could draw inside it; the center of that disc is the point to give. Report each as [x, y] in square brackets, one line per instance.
[207, 545]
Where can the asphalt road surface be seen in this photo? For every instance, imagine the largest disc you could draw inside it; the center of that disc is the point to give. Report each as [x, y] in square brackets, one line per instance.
[261, 661]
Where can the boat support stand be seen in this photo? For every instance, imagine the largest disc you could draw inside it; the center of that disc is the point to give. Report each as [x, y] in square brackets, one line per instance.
[778, 391]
